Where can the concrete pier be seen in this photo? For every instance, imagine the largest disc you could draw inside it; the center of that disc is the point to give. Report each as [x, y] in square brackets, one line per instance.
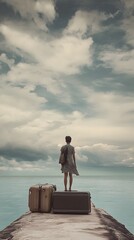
[45, 226]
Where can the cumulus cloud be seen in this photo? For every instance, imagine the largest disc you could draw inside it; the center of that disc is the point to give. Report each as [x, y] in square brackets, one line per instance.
[49, 54]
[121, 61]
[40, 12]
[23, 121]
[6, 60]
[110, 106]
[105, 155]
[26, 167]
[127, 21]
[84, 22]
[127, 26]
[129, 6]
[17, 108]
[26, 125]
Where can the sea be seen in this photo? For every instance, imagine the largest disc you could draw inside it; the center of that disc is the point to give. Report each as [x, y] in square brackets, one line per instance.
[111, 190]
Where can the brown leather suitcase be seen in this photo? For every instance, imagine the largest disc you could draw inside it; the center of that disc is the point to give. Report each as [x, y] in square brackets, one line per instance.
[71, 202]
[40, 197]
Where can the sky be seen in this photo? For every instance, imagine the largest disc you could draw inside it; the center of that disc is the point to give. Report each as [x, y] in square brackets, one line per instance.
[66, 68]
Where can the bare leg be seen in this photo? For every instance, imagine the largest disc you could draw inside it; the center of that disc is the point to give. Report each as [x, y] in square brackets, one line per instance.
[65, 180]
[70, 181]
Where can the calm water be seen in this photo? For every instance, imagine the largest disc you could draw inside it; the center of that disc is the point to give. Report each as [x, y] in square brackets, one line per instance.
[113, 193]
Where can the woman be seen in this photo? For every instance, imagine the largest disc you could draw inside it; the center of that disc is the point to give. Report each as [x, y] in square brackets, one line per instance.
[69, 168]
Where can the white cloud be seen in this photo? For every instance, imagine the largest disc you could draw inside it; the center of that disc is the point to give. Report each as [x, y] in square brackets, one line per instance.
[105, 155]
[31, 10]
[121, 61]
[46, 7]
[72, 53]
[86, 22]
[110, 106]
[127, 26]
[50, 54]
[17, 38]
[129, 6]
[39, 166]
[127, 21]
[17, 108]
[5, 59]
[31, 75]
[25, 123]
[109, 119]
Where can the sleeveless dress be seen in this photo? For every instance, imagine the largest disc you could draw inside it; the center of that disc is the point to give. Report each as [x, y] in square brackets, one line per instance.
[69, 166]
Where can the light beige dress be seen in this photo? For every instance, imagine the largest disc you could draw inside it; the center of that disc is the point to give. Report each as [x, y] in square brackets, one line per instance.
[69, 166]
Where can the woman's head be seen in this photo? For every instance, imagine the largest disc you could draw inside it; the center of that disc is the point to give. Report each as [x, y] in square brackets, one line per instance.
[68, 139]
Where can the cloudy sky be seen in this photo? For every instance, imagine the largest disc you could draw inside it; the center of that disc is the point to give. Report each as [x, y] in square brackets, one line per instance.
[66, 68]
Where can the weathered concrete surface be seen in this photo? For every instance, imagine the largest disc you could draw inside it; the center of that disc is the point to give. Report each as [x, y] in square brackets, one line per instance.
[42, 226]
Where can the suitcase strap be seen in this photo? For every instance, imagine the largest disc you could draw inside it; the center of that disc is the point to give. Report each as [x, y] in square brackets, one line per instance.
[39, 203]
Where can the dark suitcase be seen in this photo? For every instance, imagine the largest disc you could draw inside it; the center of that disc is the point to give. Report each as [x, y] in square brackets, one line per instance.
[71, 202]
[40, 197]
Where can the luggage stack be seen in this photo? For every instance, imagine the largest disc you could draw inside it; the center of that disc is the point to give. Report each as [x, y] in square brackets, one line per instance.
[40, 197]
[44, 198]
[71, 202]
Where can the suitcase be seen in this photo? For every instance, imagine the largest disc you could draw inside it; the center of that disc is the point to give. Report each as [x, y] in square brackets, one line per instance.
[71, 202]
[40, 197]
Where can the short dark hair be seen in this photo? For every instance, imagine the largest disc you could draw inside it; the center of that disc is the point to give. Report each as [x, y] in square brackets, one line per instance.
[68, 139]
